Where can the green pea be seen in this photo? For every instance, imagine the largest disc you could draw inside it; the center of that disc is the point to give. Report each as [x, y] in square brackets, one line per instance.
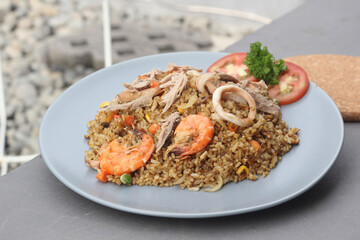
[126, 178]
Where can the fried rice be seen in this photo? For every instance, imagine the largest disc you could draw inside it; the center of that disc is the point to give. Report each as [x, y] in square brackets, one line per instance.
[218, 163]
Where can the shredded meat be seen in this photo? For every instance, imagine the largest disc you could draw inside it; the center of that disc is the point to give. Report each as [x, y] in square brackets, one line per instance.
[258, 90]
[127, 96]
[138, 86]
[172, 67]
[177, 83]
[259, 87]
[167, 78]
[143, 81]
[151, 75]
[143, 99]
[207, 82]
[263, 104]
[228, 78]
[166, 128]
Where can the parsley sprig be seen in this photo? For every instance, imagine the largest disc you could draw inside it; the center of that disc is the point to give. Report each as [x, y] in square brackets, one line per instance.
[263, 65]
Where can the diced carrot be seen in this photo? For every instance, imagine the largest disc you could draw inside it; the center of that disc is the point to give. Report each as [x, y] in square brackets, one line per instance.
[154, 84]
[233, 127]
[110, 117]
[153, 128]
[255, 145]
[129, 120]
[142, 77]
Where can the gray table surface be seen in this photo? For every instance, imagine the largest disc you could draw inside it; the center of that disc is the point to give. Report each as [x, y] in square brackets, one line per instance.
[35, 205]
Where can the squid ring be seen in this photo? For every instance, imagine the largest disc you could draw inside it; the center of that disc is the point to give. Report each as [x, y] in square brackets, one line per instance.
[242, 122]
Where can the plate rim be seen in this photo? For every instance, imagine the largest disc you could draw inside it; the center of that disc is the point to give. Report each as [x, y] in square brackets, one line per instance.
[175, 214]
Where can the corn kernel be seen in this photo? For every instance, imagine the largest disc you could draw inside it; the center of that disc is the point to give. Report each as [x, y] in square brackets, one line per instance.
[147, 117]
[181, 111]
[104, 104]
[243, 172]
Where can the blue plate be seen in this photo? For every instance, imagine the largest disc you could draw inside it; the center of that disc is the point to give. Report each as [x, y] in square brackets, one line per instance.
[62, 145]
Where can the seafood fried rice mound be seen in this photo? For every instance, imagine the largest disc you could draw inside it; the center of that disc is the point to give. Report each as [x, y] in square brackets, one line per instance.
[184, 127]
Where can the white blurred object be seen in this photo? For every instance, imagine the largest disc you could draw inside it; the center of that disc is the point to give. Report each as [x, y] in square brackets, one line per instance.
[107, 32]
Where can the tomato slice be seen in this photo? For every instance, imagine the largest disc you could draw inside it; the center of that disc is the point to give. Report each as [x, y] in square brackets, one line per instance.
[233, 65]
[293, 85]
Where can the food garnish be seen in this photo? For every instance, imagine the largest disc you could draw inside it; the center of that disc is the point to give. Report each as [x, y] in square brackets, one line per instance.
[233, 64]
[263, 65]
[293, 84]
[286, 82]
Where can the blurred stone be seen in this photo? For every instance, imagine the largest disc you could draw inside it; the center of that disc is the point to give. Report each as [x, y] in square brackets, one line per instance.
[36, 5]
[9, 23]
[10, 110]
[42, 32]
[19, 68]
[69, 51]
[26, 151]
[5, 7]
[25, 35]
[89, 4]
[25, 91]
[58, 21]
[19, 120]
[37, 79]
[50, 10]
[45, 98]
[31, 116]
[2, 41]
[90, 15]
[25, 23]
[44, 8]
[69, 77]
[76, 22]
[79, 69]
[57, 79]
[13, 50]
[40, 54]
[39, 21]
[51, 1]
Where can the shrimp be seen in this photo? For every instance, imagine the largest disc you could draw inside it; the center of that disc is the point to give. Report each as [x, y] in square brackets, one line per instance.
[192, 135]
[118, 158]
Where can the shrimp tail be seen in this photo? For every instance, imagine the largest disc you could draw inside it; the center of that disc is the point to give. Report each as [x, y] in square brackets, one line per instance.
[101, 176]
[181, 150]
